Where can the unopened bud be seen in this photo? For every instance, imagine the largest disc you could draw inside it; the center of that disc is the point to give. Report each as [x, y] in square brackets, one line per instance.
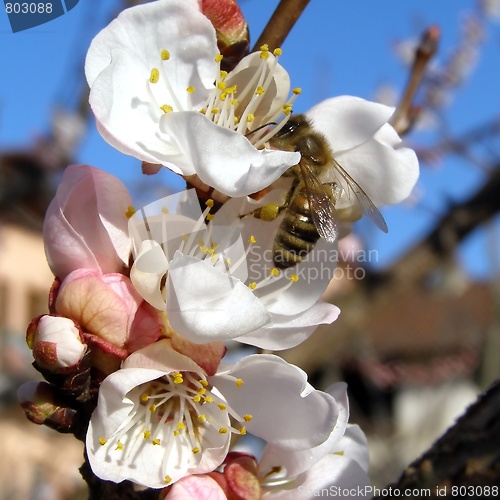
[42, 406]
[56, 342]
[231, 28]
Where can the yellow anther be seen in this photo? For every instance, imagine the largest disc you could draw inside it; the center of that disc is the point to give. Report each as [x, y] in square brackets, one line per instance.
[297, 90]
[147, 434]
[165, 55]
[190, 89]
[264, 47]
[209, 217]
[223, 430]
[250, 117]
[247, 418]
[181, 426]
[178, 380]
[196, 398]
[176, 432]
[287, 109]
[152, 408]
[164, 211]
[274, 271]
[277, 51]
[215, 111]
[228, 261]
[223, 74]
[209, 203]
[195, 450]
[239, 382]
[236, 120]
[202, 418]
[294, 278]
[260, 90]
[339, 453]
[167, 479]
[201, 390]
[119, 446]
[252, 285]
[222, 406]
[154, 76]
[129, 212]
[102, 441]
[218, 57]
[166, 108]
[235, 102]
[243, 430]
[221, 85]
[156, 441]
[252, 239]
[264, 54]
[209, 399]
[223, 96]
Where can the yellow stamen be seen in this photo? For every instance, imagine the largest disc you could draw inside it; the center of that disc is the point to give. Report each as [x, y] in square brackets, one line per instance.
[155, 442]
[277, 51]
[102, 441]
[243, 430]
[218, 57]
[167, 479]
[239, 382]
[223, 430]
[247, 418]
[297, 90]
[195, 450]
[119, 446]
[221, 406]
[274, 271]
[252, 285]
[260, 90]
[129, 212]
[154, 76]
[165, 55]
[190, 89]
[166, 108]
[294, 278]
[147, 434]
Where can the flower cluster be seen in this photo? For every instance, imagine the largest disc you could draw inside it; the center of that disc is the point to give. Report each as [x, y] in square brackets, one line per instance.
[145, 301]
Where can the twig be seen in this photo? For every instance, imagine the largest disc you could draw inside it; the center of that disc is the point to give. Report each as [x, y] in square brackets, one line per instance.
[280, 24]
[405, 113]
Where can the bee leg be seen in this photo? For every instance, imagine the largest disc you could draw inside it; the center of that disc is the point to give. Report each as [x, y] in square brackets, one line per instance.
[268, 212]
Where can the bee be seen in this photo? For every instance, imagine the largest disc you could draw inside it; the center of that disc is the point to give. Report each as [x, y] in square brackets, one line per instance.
[309, 205]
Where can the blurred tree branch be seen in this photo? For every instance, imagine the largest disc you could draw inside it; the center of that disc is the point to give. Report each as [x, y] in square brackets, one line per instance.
[468, 454]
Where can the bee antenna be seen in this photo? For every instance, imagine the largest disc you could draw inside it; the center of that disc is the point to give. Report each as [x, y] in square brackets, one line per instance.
[260, 128]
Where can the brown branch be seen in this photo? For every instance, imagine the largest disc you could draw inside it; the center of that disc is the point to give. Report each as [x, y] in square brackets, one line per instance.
[282, 21]
[467, 455]
[406, 113]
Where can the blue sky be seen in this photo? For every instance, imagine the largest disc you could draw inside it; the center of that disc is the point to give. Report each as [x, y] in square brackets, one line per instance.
[336, 48]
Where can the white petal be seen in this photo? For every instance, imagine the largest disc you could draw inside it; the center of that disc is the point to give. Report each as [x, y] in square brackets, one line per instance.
[301, 460]
[204, 304]
[147, 273]
[286, 410]
[223, 159]
[340, 476]
[289, 331]
[354, 445]
[348, 121]
[387, 175]
[274, 97]
[119, 63]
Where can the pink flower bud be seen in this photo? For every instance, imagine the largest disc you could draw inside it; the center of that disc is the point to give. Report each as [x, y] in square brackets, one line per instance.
[86, 223]
[233, 39]
[104, 305]
[56, 342]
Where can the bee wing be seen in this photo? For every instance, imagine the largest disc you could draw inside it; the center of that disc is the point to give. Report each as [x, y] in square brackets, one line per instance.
[367, 206]
[323, 212]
